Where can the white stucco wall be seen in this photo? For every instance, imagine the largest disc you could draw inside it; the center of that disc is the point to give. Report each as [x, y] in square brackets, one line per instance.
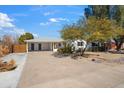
[44, 46]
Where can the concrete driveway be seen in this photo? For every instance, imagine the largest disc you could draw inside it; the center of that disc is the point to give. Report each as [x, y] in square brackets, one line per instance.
[42, 69]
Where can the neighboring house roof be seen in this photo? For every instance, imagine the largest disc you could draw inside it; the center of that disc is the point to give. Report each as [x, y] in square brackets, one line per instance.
[44, 40]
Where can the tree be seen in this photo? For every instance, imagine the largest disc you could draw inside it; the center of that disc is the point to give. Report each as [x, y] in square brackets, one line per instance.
[71, 32]
[117, 13]
[113, 12]
[119, 39]
[121, 9]
[100, 11]
[24, 37]
[87, 12]
[8, 41]
[100, 29]
[95, 29]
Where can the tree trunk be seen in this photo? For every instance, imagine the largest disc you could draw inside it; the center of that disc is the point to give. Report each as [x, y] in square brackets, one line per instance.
[119, 44]
[82, 53]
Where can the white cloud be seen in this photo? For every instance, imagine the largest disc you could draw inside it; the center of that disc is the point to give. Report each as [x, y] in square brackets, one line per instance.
[18, 31]
[35, 35]
[4, 17]
[5, 21]
[53, 20]
[57, 19]
[7, 27]
[44, 23]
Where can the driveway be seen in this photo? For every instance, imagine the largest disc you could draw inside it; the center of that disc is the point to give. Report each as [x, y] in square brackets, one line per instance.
[42, 69]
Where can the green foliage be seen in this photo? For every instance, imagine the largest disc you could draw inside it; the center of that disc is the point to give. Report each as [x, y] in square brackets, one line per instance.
[121, 9]
[94, 30]
[65, 50]
[100, 11]
[71, 32]
[100, 29]
[103, 24]
[24, 37]
[112, 12]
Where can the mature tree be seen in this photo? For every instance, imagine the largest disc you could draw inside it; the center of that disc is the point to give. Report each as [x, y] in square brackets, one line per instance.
[100, 29]
[117, 13]
[24, 37]
[112, 12]
[100, 11]
[119, 39]
[95, 29]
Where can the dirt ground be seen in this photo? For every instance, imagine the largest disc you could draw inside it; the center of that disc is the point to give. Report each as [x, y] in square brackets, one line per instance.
[42, 69]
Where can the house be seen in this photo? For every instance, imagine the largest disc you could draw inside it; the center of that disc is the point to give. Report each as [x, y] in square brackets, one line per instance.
[78, 44]
[43, 44]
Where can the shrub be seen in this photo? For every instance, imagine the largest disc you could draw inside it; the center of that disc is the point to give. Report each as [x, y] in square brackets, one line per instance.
[65, 50]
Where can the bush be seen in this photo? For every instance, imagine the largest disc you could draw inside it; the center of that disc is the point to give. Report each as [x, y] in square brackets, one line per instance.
[65, 50]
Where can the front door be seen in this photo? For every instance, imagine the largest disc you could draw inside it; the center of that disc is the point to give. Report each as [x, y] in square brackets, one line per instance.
[39, 46]
[32, 46]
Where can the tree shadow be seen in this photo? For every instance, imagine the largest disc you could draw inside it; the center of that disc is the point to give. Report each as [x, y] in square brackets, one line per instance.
[73, 55]
[59, 55]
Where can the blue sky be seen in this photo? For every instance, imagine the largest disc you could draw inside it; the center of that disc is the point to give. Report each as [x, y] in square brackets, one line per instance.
[42, 21]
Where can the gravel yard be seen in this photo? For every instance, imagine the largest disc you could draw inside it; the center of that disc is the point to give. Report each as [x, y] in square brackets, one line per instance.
[42, 69]
[10, 79]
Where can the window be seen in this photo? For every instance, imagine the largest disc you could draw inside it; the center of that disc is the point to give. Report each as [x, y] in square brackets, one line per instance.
[32, 46]
[59, 44]
[39, 46]
[80, 43]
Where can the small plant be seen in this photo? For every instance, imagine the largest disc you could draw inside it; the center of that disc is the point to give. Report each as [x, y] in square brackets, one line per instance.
[65, 50]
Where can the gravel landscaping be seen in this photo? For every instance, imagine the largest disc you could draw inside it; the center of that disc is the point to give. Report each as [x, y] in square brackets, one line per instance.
[10, 79]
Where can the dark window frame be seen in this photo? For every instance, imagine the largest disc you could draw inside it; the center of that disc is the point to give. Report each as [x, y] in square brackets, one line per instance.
[80, 44]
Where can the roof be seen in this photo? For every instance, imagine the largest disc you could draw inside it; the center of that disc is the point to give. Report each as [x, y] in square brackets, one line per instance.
[45, 40]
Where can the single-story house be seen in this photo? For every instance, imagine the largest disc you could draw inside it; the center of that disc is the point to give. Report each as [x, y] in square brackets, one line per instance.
[43, 44]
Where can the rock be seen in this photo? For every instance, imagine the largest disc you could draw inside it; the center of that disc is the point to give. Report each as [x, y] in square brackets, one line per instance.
[7, 66]
[98, 55]
[93, 59]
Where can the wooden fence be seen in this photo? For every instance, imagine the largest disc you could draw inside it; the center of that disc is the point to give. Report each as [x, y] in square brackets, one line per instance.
[1, 50]
[19, 48]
